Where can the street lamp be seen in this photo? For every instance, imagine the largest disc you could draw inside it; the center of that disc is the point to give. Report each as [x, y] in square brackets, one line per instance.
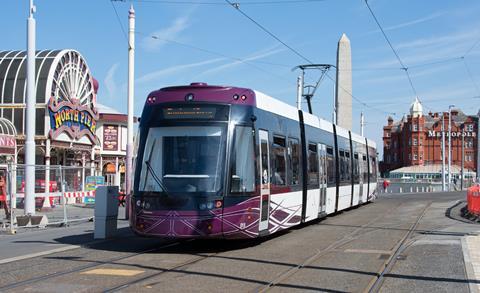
[450, 146]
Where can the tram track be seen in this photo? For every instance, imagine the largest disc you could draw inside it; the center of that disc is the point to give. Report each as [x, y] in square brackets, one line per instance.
[402, 245]
[162, 271]
[85, 267]
[337, 244]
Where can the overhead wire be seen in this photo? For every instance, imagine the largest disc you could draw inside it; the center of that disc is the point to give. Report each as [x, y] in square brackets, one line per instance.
[237, 59]
[359, 100]
[272, 2]
[237, 7]
[470, 75]
[404, 67]
[119, 21]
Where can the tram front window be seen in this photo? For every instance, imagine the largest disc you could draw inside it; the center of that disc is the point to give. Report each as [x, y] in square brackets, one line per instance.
[183, 159]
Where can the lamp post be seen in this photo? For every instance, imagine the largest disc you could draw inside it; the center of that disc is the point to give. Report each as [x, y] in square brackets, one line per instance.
[463, 156]
[450, 146]
[30, 116]
[443, 153]
[131, 68]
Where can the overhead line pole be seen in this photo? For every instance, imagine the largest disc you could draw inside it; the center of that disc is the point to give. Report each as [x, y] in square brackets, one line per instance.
[131, 69]
[443, 152]
[30, 116]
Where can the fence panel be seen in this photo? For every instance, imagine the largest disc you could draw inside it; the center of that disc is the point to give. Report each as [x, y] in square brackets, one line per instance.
[62, 195]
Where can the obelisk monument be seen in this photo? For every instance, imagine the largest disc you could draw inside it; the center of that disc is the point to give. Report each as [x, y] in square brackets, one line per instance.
[343, 90]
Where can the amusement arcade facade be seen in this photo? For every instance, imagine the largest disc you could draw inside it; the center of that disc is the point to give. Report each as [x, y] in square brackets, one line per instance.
[71, 128]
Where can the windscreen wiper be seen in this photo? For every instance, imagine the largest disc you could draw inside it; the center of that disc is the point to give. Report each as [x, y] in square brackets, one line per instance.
[152, 172]
[154, 175]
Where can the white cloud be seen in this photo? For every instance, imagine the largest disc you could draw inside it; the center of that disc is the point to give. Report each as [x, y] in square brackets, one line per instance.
[110, 84]
[252, 57]
[409, 23]
[155, 75]
[169, 33]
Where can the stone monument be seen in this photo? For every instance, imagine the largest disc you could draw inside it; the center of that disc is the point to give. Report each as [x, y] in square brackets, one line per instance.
[343, 88]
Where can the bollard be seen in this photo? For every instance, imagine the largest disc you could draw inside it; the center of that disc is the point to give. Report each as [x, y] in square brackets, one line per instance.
[106, 211]
[400, 189]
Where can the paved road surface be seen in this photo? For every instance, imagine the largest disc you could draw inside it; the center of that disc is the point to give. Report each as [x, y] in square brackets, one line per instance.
[343, 253]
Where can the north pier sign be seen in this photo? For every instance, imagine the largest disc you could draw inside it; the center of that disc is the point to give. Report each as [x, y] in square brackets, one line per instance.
[74, 119]
[433, 133]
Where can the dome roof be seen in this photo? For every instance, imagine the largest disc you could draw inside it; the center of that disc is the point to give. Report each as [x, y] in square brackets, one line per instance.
[416, 109]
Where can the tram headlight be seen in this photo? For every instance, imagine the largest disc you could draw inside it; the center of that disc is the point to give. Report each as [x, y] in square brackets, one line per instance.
[147, 205]
[139, 203]
[210, 205]
[202, 206]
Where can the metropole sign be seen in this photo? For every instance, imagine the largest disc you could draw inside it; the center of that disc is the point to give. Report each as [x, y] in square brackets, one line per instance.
[433, 133]
[72, 118]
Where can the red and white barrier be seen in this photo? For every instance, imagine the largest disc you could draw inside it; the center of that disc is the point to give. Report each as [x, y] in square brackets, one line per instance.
[76, 194]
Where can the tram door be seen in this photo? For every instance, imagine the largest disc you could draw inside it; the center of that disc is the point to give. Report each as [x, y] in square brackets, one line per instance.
[360, 176]
[264, 179]
[322, 170]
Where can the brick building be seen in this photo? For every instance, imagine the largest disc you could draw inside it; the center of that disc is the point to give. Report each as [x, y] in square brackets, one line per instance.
[417, 139]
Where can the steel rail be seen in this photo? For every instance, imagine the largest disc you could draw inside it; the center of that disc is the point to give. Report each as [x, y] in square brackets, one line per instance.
[84, 267]
[377, 281]
[332, 247]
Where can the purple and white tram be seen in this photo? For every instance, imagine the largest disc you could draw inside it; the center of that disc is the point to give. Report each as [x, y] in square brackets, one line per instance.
[229, 162]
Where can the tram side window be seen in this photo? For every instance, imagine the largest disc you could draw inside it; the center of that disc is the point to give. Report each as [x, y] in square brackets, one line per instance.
[312, 164]
[279, 161]
[348, 170]
[373, 170]
[341, 162]
[356, 171]
[365, 169]
[242, 168]
[330, 166]
[294, 156]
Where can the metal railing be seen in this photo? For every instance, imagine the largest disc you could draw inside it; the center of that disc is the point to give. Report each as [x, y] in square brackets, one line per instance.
[63, 195]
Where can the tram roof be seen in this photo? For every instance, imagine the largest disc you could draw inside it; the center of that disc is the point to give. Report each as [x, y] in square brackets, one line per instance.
[208, 93]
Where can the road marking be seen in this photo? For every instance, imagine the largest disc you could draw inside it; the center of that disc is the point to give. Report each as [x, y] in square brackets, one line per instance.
[113, 272]
[37, 254]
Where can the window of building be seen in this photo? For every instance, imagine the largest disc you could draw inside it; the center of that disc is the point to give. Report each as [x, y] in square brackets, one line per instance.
[415, 127]
[414, 141]
[279, 169]
[414, 157]
[312, 164]
[294, 157]
[409, 156]
[470, 127]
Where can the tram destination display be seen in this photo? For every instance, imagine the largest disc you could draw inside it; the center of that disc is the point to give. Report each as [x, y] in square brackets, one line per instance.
[189, 113]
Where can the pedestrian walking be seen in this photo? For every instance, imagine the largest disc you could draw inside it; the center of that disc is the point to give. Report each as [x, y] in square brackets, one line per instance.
[385, 185]
[3, 196]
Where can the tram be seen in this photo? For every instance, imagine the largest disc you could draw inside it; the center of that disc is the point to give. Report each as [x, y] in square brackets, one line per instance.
[230, 162]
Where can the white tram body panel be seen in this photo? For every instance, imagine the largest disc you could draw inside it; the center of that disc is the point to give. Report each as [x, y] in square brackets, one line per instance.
[313, 196]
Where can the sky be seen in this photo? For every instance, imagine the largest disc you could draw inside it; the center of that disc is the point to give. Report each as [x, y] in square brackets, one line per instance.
[210, 41]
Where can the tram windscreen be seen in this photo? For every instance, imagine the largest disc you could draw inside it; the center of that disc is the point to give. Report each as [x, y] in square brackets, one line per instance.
[184, 158]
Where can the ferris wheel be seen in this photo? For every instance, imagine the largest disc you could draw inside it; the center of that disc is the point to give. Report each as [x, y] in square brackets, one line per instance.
[73, 82]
